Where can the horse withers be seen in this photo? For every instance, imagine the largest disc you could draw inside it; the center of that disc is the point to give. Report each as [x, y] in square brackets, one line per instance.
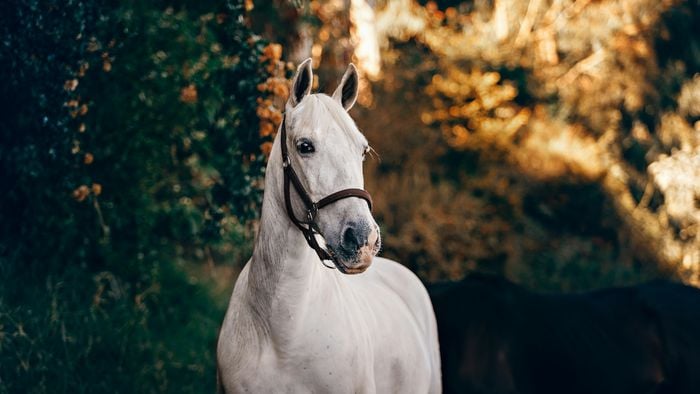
[498, 338]
[293, 324]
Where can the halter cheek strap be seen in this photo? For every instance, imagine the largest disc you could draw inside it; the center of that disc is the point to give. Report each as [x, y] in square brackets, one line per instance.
[309, 226]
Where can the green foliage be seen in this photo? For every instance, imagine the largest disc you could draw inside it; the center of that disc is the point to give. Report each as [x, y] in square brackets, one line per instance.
[128, 141]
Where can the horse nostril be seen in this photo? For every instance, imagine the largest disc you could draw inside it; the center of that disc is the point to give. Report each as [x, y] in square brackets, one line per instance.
[351, 240]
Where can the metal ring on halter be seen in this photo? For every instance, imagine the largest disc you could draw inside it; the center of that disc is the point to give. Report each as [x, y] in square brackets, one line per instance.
[312, 212]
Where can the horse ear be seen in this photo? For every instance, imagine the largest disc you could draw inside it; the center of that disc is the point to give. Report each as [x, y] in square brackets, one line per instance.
[301, 84]
[346, 93]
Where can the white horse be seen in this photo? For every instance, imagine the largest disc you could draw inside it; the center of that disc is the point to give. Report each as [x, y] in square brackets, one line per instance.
[292, 324]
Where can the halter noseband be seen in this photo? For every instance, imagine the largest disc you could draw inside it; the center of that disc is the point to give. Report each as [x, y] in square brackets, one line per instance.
[309, 227]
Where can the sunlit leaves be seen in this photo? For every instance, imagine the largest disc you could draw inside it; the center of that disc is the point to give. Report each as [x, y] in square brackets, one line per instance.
[569, 89]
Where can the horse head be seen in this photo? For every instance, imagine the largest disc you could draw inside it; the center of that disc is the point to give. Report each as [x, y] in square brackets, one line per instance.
[322, 157]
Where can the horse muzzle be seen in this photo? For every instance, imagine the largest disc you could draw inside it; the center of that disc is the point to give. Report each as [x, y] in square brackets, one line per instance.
[357, 248]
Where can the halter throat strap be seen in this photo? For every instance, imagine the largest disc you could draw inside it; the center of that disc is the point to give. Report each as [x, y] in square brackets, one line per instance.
[308, 226]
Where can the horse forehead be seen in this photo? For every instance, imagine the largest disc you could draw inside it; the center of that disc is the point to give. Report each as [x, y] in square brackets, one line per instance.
[315, 118]
[314, 125]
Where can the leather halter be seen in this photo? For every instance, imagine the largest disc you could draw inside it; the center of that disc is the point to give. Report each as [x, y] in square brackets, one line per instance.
[309, 227]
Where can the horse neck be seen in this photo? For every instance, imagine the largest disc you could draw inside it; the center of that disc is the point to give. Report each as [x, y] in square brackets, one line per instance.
[283, 268]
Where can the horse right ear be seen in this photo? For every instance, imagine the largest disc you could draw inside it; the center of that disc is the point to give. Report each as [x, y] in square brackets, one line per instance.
[301, 84]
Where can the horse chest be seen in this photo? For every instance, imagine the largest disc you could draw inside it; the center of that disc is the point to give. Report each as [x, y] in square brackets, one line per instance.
[328, 364]
[319, 367]
[334, 350]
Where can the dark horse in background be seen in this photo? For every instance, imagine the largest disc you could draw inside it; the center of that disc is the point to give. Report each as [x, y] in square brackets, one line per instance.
[496, 337]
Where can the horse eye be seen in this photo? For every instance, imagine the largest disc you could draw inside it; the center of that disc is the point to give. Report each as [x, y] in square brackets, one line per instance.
[364, 153]
[305, 146]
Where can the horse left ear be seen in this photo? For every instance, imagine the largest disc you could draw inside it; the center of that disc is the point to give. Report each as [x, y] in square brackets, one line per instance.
[346, 93]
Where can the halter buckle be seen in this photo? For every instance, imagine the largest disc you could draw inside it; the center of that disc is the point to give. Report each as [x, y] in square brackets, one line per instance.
[286, 162]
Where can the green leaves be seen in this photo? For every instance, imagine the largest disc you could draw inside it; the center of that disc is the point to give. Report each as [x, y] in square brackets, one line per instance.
[127, 143]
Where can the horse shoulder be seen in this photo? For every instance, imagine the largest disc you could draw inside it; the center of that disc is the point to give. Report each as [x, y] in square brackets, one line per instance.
[406, 285]
[409, 289]
[239, 340]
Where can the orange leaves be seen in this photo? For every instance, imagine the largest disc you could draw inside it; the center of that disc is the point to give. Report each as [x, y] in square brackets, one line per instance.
[266, 129]
[83, 191]
[273, 93]
[270, 117]
[70, 84]
[277, 86]
[266, 148]
[106, 62]
[280, 89]
[77, 108]
[188, 94]
[474, 102]
[272, 54]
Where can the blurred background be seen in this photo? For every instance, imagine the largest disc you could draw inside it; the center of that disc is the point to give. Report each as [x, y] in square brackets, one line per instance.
[555, 142]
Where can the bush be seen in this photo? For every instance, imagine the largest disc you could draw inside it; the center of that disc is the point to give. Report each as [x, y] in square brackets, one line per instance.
[129, 142]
